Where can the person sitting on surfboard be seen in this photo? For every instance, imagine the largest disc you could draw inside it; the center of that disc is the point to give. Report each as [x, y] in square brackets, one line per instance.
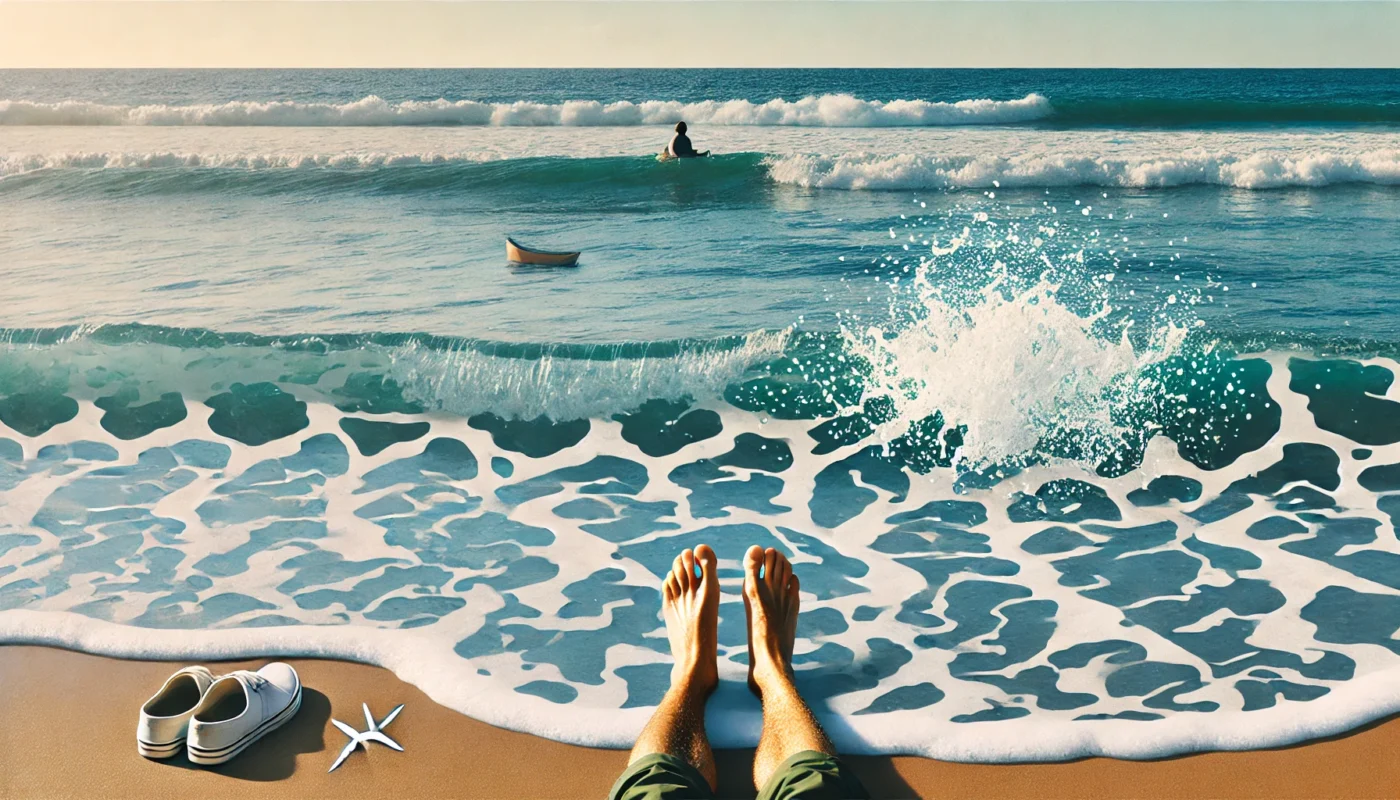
[680, 146]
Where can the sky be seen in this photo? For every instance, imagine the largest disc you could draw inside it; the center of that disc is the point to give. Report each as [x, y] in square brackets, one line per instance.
[663, 33]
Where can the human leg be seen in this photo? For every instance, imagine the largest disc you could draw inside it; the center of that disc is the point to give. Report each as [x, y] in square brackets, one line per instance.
[674, 738]
[794, 757]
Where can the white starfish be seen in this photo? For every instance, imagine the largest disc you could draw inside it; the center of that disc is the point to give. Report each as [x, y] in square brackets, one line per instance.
[374, 734]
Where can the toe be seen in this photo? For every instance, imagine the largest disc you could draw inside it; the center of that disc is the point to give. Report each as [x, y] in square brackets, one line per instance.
[688, 561]
[753, 561]
[770, 565]
[705, 555]
[668, 588]
[709, 563]
[678, 574]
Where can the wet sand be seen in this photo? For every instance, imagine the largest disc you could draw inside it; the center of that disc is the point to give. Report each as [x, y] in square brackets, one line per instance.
[70, 718]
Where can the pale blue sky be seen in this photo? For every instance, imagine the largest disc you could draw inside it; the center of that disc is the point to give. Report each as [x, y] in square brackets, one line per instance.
[933, 33]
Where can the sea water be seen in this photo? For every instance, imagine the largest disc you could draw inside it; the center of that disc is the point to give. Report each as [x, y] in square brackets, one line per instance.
[1069, 393]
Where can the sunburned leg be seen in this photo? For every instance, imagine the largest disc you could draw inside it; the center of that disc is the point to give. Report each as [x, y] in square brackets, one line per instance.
[772, 602]
[690, 606]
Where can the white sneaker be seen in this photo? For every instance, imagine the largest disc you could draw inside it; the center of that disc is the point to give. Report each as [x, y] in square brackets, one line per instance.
[241, 708]
[165, 718]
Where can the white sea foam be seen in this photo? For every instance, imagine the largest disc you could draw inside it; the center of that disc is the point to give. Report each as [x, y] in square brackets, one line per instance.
[1244, 170]
[830, 110]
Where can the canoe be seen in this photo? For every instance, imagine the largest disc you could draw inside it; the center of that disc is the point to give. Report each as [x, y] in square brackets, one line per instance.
[517, 253]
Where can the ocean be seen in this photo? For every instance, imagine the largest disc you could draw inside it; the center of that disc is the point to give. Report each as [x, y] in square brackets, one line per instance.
[1070, 393]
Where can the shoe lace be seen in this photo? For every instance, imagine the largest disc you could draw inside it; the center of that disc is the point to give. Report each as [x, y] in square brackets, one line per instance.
[256, 682]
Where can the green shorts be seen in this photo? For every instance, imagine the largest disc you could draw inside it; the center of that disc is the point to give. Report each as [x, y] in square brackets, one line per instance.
[809, 775]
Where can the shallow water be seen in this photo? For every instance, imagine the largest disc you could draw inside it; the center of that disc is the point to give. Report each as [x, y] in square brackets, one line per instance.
[1076, 416]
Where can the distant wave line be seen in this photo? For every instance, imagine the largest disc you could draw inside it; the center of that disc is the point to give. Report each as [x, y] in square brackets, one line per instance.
[828, 110]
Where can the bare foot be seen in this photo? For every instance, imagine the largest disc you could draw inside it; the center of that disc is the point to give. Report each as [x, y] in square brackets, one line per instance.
[771, 602]
[690, 606]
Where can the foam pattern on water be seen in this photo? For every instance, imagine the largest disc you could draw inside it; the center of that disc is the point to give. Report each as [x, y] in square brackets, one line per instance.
[511, 568]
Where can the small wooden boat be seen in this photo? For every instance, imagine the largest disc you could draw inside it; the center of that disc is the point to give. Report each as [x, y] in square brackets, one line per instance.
[517, 253]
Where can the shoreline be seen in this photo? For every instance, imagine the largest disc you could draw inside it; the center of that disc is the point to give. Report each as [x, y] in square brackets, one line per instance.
[733, 716]
[84, 707]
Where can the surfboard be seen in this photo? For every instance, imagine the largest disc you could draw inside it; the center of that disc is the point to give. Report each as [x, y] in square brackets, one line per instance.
[665, 155]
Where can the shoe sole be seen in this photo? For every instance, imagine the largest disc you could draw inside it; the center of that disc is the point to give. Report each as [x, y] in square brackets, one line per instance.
[211, 756]
[160, 751]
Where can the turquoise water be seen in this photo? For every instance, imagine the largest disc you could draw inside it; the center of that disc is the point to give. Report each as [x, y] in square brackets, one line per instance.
[1070, 393]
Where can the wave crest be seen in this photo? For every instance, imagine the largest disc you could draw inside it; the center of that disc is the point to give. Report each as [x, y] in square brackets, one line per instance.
[830, 110]
[437, 373]
[1241, 171]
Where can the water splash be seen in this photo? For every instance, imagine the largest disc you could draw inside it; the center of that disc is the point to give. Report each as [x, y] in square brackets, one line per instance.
[1005, 357]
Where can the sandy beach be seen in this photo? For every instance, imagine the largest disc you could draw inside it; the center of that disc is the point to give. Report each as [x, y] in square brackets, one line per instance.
[69, 722]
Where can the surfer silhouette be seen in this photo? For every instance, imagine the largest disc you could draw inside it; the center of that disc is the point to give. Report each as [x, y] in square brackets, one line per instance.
[680, 146]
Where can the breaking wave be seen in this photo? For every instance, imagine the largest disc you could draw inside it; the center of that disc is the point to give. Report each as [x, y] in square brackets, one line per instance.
[1240, 171]
[829, 110]
[455, 375]
[826, 110]
[464, 171]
